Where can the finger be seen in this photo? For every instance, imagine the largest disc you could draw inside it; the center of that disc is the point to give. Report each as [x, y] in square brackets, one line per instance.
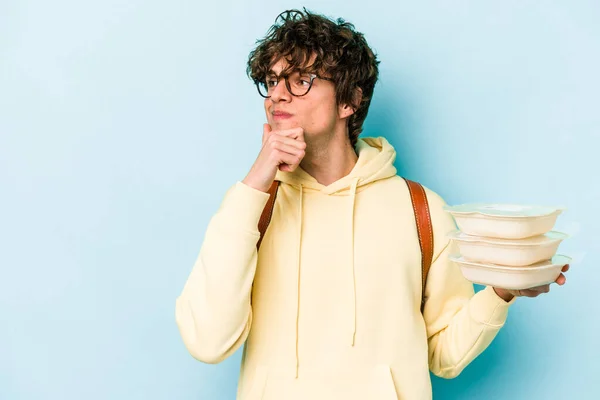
[286, 167]
[275, 139]
[530, 293]
[566, 268]
[288, 148]
[561, 280]
[294, 133]
[291, 160]
[527, 293]
[540, 289]
[266, 132]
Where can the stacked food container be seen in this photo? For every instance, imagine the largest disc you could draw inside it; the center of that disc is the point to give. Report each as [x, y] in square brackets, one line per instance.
[507, 246]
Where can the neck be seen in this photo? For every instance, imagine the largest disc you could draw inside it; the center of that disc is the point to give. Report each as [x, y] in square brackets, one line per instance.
[329, 158]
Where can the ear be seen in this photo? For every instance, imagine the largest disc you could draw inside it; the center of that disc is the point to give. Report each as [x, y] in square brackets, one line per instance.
[346, 110]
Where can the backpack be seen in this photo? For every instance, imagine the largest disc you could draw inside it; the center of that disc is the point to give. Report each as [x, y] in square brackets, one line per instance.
[422, 219]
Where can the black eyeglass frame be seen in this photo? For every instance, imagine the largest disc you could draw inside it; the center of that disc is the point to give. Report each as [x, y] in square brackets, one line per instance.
[287, 84]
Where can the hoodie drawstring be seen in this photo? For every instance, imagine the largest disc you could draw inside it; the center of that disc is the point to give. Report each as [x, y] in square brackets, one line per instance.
[353, 200]
[298, 277]
[352, 267]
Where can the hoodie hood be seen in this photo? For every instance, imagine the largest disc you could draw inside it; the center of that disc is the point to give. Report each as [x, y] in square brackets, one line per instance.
[375, 162]
[376, 157]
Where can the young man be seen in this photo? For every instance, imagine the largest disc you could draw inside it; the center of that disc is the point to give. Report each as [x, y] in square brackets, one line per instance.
[329, 306]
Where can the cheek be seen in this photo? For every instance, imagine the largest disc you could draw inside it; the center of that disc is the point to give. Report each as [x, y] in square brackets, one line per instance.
[322, 115]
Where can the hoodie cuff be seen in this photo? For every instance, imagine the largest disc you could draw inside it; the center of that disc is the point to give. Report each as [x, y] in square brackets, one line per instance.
[488, 308]
[243, 205]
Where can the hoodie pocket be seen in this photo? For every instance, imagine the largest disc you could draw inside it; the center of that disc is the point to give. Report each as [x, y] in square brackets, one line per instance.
[374, 383]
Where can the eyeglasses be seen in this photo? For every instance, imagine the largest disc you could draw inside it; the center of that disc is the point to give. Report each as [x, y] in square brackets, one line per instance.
[298, 84]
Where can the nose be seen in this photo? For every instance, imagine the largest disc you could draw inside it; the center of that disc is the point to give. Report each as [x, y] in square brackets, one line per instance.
[280, 92]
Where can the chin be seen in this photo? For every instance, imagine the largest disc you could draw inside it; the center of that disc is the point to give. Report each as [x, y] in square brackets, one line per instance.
[285, 124]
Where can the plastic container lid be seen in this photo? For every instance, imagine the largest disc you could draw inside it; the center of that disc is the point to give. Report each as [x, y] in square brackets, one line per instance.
[545, 239]
[557, 260]
[504, 210]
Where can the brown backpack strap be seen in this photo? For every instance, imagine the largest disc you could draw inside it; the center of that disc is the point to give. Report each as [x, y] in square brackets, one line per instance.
[265, 217]
[424, 228]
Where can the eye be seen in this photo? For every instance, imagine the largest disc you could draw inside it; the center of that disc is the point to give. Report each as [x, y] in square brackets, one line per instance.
[301, 80]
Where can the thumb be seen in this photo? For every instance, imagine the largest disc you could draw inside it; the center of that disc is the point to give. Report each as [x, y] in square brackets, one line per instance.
[266, 132]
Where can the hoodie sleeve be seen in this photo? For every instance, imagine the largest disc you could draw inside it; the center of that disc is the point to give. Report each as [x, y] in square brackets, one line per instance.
[213, 311]
[460, 323]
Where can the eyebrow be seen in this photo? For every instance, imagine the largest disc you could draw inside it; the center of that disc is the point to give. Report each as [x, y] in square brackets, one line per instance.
[301, 70]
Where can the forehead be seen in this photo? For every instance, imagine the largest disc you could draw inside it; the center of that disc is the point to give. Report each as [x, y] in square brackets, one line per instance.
[282, 64]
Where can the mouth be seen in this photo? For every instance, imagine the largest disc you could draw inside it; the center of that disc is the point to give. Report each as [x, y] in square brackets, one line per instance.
[280, 115]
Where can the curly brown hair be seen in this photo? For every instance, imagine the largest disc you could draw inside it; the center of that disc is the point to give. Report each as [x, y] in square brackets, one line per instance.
[341, 53]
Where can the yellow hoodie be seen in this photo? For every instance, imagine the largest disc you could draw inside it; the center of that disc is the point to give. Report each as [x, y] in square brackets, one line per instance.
[329, 308]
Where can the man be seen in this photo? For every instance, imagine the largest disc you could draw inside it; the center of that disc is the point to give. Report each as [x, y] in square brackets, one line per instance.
[329, 306]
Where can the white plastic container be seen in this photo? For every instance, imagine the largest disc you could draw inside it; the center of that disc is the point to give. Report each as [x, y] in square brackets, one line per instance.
[514, 278]
[508, 252]
[504, 221]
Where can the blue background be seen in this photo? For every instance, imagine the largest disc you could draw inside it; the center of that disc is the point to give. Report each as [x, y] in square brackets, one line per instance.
[123, 123]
